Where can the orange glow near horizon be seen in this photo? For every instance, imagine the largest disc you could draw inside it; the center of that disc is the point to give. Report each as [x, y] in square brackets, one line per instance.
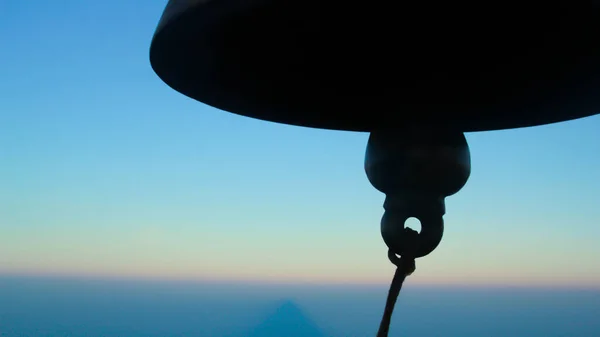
[158, 253]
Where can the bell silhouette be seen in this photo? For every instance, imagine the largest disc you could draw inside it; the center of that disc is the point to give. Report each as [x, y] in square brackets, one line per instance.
[415, 74]
[466, 65]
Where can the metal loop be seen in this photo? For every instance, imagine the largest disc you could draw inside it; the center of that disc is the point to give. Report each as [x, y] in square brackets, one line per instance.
[404, 241]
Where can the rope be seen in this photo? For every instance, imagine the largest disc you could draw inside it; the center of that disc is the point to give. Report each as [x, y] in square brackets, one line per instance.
[405, 266]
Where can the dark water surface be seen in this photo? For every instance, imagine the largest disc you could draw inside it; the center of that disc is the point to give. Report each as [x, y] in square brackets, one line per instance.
[94, 308]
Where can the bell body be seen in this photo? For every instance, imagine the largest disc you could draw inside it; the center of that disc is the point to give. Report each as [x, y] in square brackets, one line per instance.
[467, 65]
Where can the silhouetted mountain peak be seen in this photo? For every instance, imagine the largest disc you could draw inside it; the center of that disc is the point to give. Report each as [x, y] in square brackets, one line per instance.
[287, 320]
[289, 309]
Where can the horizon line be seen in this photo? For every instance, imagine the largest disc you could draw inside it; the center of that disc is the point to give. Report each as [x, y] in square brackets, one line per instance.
[288, 283]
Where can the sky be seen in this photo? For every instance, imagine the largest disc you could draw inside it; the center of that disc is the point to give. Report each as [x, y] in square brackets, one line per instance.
[107, 172]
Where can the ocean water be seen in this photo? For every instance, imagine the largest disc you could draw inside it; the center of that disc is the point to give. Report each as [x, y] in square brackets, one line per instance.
[93, 308]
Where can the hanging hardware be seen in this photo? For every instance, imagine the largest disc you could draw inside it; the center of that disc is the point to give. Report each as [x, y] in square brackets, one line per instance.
[416, 168]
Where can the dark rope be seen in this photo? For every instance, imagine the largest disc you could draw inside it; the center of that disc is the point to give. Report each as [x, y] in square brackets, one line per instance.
[405, 266]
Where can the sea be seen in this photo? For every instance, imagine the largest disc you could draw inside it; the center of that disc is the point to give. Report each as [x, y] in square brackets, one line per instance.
[78, 307]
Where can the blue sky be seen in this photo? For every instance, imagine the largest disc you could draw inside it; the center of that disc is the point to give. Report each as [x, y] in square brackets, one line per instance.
[106, 171]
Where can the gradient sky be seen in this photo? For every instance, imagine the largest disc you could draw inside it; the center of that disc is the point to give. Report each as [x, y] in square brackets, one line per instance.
[104, 170]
